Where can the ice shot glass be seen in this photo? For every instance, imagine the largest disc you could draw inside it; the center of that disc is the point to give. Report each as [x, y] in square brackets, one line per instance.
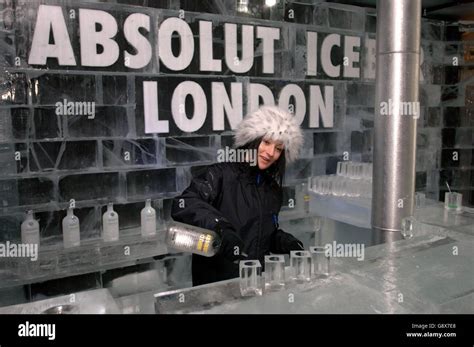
[320, 262]
[300, 262]
[274, 272]
[250, 278]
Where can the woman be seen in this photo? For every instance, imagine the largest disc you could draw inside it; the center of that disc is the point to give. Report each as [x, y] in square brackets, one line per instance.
[241, 201]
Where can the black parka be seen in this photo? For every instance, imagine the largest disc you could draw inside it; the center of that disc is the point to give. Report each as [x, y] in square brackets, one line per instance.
[244, 196]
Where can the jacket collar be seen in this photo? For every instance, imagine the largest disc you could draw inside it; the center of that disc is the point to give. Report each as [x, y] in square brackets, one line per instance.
[253, 174]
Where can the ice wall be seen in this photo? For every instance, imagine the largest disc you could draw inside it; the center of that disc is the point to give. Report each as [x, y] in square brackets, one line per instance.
[48, 158]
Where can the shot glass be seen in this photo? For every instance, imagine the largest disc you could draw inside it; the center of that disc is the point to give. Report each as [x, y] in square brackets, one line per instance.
[318, 185]
[274, 272]
[350, 169]
[310, 184]
[250, 278]
[341, 168]
[350, 189]
[453, 201]
[317, 223]
[367, 171]
[420, 200]
[320, 262]
[301, 266]
[337, 186]
[345, 168]
[358, 170]
[408, 227]
[331, 184]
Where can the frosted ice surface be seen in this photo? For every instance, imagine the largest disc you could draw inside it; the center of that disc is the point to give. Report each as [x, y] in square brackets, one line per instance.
[97, 301]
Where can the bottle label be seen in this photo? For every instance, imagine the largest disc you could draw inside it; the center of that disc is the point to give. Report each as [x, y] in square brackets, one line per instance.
[73, 225]
[149, 226]
[204, 242]
[72, 234]
[31, 229]
[30, 237]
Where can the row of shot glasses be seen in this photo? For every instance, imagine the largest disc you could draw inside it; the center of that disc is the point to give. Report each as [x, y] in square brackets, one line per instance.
[304, 266]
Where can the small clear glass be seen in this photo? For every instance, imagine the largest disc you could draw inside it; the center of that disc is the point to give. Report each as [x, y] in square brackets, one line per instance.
[320, 262]
[408, 227]
[349, 188]
[357, 171]
[317, 185]
[251, 283]
[337, 191]
[274, 272]
[324, 185]
[345, 168]
[301, 266]
[310, 184]
[453, 201]
[341, 168]
[331, 184]
[350, 170]
[317, 223]
[317, 227]
[420, 200]
[367, 171]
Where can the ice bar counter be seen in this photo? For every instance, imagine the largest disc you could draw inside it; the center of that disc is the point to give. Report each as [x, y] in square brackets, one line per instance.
[431, 271]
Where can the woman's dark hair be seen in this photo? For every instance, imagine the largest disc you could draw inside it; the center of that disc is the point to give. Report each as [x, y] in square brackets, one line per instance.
[277, 169]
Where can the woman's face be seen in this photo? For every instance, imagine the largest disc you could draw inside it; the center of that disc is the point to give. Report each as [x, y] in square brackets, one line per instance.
[268, 152]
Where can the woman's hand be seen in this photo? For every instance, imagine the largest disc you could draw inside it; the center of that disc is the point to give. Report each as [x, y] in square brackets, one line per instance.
[284, 243]
[231, 244]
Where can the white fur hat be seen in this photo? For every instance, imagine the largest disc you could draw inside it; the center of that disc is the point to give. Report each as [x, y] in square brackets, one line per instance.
[273, 123]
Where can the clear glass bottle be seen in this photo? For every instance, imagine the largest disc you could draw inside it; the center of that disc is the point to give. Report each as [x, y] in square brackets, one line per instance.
[189, 238]
[71, 230]
[302, 197]
[30, 230]
[148, 220]
[110, 224]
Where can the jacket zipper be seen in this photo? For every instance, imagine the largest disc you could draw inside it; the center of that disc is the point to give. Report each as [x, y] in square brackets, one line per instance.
[260, 221]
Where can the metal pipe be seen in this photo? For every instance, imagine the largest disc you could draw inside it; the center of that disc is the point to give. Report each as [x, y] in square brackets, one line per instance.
[396, 112]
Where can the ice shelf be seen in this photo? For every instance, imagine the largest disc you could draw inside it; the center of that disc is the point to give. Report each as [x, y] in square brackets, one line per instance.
[91, 256]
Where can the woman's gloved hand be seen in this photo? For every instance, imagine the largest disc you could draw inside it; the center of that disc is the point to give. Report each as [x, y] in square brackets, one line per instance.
[284, 243]
[231, 244]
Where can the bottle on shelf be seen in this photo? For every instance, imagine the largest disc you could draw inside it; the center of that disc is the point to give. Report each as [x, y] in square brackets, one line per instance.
[30, 230]
[148, 220]
[71, 230]
[110, 224]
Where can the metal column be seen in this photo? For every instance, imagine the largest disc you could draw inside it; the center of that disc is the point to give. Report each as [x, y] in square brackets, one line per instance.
[398, 60]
